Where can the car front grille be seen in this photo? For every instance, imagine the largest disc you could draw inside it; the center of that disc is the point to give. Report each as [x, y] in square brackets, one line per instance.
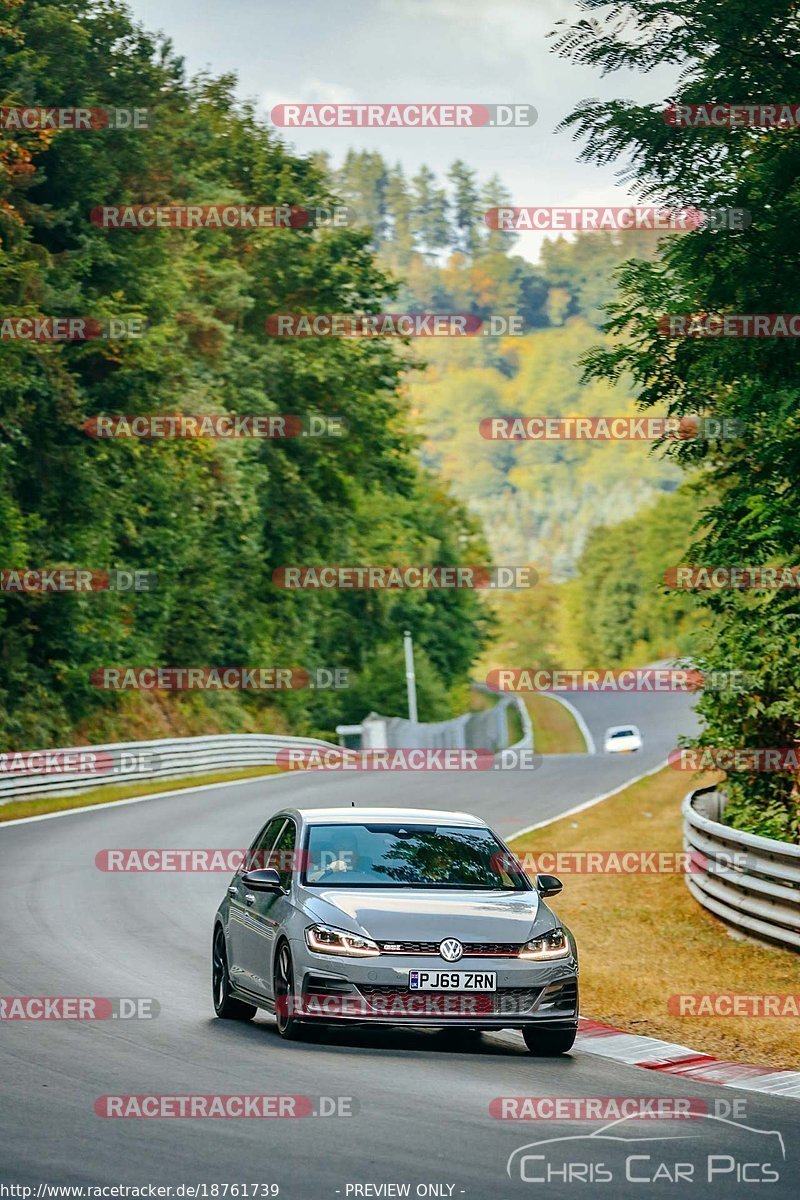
[471, 949]
[394, 1002]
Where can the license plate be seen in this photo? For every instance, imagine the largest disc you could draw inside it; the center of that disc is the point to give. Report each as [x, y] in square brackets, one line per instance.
[452, 981]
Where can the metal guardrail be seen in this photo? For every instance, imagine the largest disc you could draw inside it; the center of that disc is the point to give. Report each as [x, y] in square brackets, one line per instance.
[505, 701]
[483, 729]
[162, 758]
[749, 881]
[172, 758]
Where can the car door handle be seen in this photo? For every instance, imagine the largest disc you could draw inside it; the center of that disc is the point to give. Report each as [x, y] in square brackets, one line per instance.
[249, 898]
[233, 891]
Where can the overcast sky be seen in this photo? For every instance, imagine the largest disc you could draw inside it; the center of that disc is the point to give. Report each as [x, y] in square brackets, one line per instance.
[478, 51]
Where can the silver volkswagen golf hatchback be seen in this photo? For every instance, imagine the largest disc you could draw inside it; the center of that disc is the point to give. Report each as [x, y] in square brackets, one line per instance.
[393, 916]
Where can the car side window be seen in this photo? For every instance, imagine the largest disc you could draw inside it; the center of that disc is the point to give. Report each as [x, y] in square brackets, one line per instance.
[258, 855]
[283, 855]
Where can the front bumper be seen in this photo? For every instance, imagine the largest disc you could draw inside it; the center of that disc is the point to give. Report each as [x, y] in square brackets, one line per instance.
[376, 991]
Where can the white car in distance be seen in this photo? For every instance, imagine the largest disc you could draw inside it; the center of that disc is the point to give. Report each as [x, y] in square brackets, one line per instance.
[622, 739]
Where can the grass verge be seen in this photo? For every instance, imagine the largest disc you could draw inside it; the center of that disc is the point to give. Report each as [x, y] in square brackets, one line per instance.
[643, 938]
[514, 725]
[123, 791]
[555, 730]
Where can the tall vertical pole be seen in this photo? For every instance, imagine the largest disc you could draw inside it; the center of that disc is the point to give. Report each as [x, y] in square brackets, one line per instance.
[411, 679]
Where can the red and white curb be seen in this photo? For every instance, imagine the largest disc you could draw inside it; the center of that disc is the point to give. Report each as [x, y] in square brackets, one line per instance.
[672, 1059]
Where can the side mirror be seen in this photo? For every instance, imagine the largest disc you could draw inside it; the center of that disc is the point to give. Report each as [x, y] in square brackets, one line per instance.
[266, 880]
[547, 885]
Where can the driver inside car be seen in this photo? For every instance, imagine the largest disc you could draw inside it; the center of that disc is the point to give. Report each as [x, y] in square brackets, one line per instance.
[335, 859]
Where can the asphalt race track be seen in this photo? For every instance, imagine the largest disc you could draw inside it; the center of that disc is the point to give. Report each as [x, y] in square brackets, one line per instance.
[421, 1099]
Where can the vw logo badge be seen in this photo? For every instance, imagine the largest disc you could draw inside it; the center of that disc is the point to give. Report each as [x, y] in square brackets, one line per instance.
[451, 950]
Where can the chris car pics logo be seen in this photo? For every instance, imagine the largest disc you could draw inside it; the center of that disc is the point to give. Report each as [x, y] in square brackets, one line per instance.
[717, 1150]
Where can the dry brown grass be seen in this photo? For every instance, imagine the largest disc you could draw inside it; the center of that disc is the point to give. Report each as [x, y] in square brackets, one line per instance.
[555, 730]
[643, 938]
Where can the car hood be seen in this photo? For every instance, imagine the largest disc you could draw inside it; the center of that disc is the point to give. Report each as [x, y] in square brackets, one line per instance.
[403, 915]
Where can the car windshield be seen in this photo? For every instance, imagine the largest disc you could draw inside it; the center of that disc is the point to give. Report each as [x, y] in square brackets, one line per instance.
[623, 733]
[409, 855]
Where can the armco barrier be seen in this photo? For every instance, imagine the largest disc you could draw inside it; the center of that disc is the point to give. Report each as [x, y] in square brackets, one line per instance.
[749, 881]
[484, 729]
[502, 705]
[163, 758]
[171, 758]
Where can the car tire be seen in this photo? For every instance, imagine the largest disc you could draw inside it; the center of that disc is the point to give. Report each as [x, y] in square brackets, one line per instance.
[283, 991]
[226, 1006]
[547, 1043]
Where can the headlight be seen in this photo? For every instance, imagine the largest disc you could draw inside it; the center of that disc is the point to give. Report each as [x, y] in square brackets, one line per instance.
[322, 939]
[554, 944]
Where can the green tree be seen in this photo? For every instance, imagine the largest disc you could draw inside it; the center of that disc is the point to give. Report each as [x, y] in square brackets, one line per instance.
[430, 213]
[381, 687]
[363, 180]
[618, 610]
[399, 206]
[581, 272]
[734, 51]
[212, 519]
[467, 216]
[494, 194]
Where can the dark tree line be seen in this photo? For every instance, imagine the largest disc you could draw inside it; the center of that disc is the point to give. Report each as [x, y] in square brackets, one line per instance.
[213, 519]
